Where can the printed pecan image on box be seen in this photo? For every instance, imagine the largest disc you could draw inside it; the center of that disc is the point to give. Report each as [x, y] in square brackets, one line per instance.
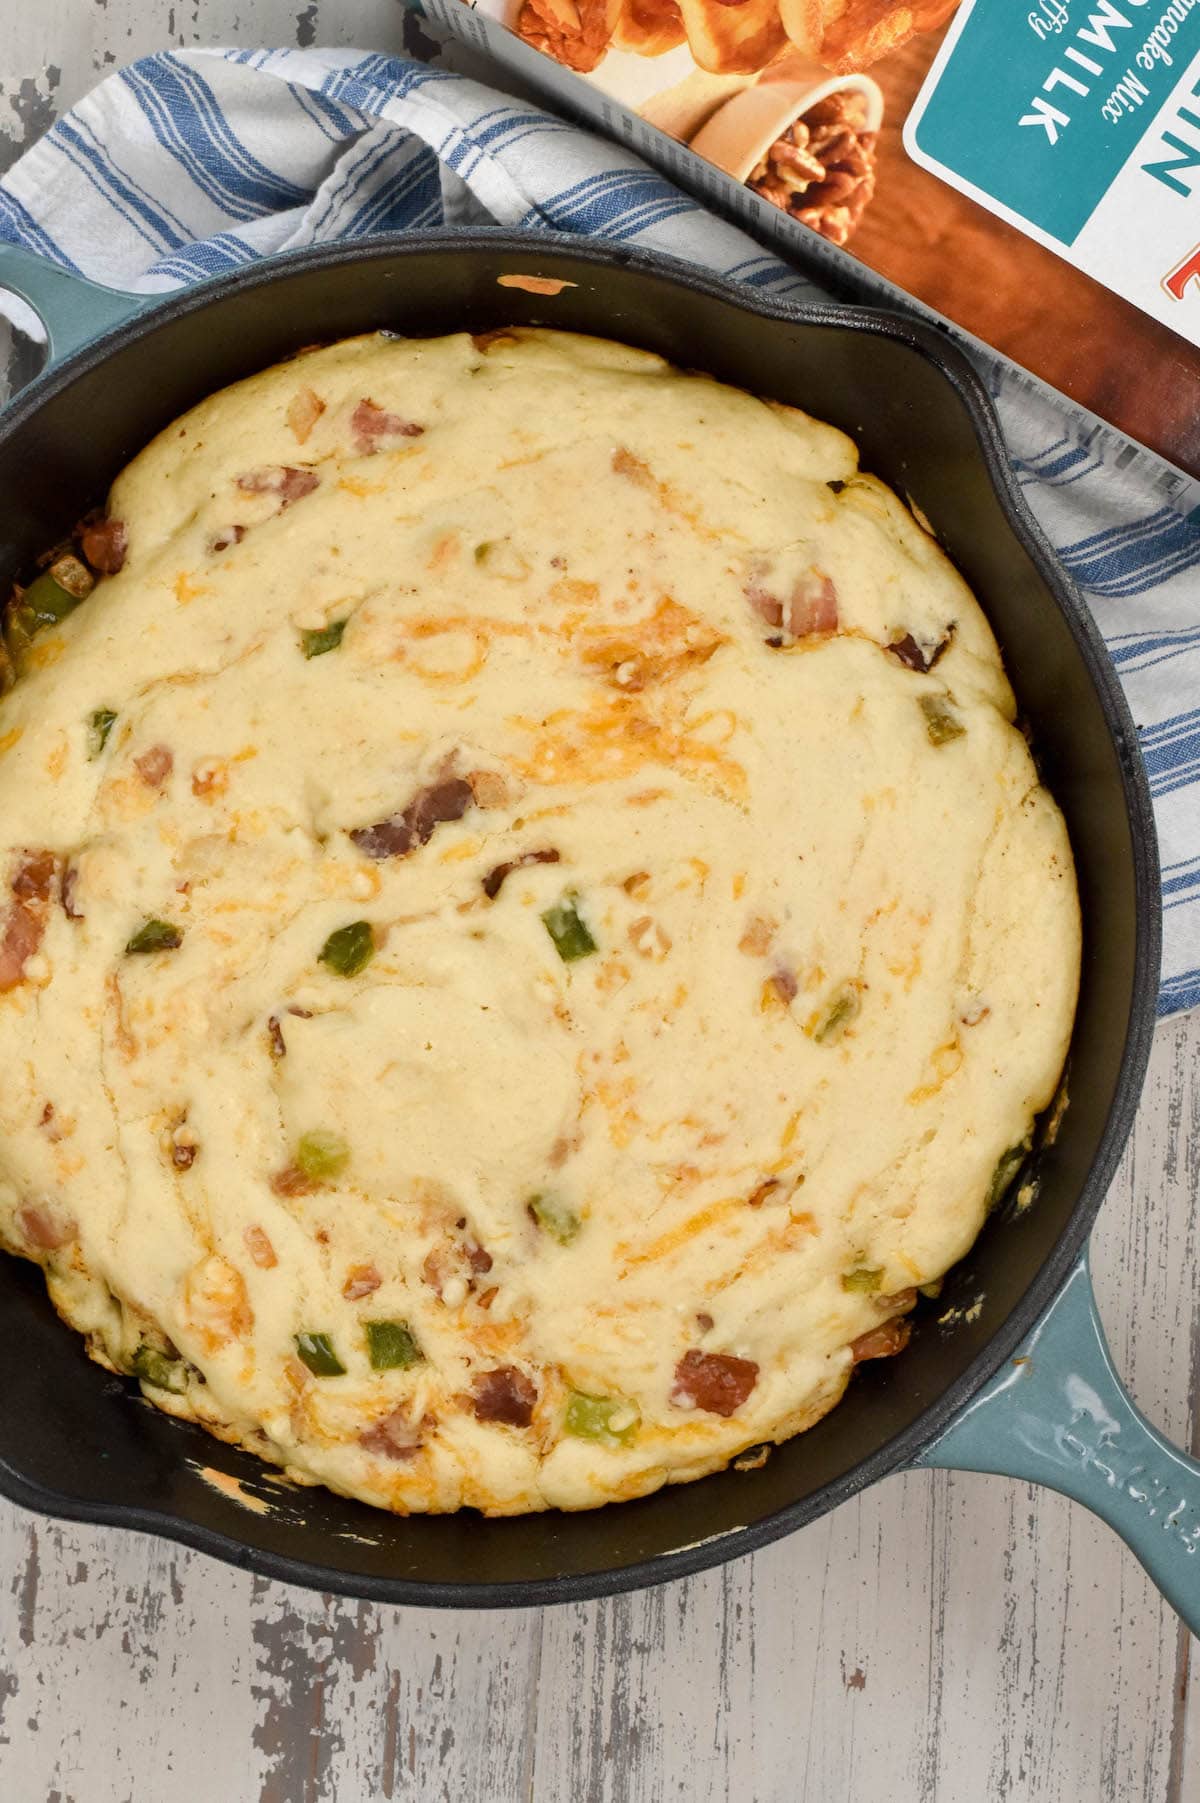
[770, 91]
[803, 140]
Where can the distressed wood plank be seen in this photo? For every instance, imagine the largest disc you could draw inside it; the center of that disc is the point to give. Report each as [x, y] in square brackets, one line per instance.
[101, 1633]
[1188, 1779]
[1186, 1149]
[356, 1701]
[134, 1670]
[1187, 1775]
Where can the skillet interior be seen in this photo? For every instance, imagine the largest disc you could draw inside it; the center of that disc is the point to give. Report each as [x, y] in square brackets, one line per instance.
[74, 1441]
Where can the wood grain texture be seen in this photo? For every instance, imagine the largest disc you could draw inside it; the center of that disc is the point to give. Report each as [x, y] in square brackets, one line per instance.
[939, 1638]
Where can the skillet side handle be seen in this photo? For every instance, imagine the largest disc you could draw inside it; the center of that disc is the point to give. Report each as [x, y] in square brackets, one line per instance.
[1058, 1414]
[73, 310]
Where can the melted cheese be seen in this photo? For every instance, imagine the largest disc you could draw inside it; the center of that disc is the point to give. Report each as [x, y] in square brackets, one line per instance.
[835, 959]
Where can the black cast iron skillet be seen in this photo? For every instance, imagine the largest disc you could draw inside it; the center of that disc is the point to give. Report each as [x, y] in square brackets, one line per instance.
[77, 1442]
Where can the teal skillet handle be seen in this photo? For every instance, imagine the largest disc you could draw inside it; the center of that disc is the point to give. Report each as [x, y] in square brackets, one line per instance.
[1058, 1414]
[73, 311]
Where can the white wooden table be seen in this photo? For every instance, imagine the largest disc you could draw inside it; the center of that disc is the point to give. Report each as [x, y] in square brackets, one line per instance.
[940, 1639]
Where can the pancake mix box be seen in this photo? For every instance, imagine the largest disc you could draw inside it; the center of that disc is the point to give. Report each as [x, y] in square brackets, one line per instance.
[1027, 169]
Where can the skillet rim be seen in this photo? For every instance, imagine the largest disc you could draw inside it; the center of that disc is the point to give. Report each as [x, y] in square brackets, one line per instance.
[943, 360]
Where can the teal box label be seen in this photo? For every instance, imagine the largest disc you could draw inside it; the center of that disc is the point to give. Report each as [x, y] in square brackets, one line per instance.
[1041, 106]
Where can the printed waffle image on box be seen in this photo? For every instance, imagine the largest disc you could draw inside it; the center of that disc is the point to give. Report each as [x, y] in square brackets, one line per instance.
[1027, 172]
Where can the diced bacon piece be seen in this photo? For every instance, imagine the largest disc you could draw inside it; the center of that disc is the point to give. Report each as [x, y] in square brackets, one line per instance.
[370, 423]
[104, 544]
[404, 832]
[769, 608]
[292, 1181]
[906, 650]
[33, 878]
[809, 611]
[70, 878]
[435, 1270]
[881, 1342]
[361, 1280]
[285, 480]
[813, 606]
[495, 879]
[714, 1381]
[505, 1394]
[24, 922]
[785, 984]
[154, 766]
[260, 1248]
[395, 1437]
[45, 1227]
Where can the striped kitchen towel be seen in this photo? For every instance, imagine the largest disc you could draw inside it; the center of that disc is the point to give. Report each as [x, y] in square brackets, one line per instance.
[194, 162]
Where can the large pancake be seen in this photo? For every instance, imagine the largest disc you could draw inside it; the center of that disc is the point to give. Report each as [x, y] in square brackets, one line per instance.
[711, 937]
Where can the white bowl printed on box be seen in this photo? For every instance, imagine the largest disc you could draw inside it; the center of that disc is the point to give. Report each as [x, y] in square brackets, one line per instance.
[740, 133]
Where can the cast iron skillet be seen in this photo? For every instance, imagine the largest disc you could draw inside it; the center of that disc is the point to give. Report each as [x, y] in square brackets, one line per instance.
[77, 1442]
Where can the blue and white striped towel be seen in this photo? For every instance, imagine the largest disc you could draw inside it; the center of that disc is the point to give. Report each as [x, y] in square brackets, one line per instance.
[195, 162]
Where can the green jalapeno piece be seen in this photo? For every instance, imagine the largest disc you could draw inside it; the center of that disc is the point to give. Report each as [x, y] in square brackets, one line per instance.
[349, 949]
[154, 1367]
[941, 723]
[1007, 1166]
[605, 1418]
[392, 1346]
[319, 640]
[154, 936]
[316, 1351]
[843, 1008]
[100, 724]
[569, 931]
[864, 1280]
[321, 1155]
[559, 1221]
